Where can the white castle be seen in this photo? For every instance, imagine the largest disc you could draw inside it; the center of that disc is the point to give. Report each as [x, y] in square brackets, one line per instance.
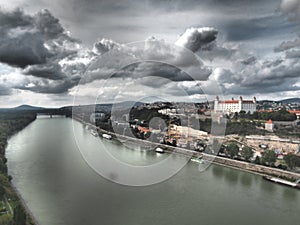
[232, 106]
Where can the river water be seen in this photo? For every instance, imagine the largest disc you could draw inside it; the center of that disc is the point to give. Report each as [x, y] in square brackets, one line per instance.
[59, 187]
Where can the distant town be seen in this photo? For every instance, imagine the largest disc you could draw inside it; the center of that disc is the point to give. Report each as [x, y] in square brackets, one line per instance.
[260, 132]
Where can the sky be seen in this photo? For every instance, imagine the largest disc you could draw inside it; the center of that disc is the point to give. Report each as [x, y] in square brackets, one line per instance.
[56, 53]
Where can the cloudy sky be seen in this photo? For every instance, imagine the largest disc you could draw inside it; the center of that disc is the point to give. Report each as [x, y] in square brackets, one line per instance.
[132, 49]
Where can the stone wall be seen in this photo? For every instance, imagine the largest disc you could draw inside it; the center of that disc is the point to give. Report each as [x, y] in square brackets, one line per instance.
[254, 168]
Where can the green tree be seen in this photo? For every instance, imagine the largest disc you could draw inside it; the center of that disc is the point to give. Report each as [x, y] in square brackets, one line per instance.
[257, 160]
[236, 115]
[6, 219]
[268, 157]
[232, 150]
[242, 114]
[247, 153]
[2, 191]
[255, 115]
[19, 215]
[292, 160]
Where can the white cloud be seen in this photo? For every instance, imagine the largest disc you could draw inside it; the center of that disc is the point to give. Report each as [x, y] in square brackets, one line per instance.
[197, 38]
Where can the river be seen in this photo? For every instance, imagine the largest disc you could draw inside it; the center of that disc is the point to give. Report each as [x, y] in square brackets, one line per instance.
[59, 187]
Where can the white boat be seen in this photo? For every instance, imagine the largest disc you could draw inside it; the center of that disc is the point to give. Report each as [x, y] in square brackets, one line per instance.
[95, 133]
[107, 136]
[159, 150]
[197, 160]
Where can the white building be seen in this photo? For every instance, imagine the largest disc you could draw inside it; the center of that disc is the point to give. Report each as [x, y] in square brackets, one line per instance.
[97, 116]
[167, 111]
[269, 125]
[232, 106]
[186, 132]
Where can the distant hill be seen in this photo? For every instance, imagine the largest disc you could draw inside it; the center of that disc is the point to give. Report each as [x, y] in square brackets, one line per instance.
[22, 108]
[105, 107]
[284, 101]
[290, 100]
[27, 107]
[127, 104]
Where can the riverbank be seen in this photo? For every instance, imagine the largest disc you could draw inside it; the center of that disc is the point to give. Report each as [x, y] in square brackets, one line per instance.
[10, 124]
[231, 163]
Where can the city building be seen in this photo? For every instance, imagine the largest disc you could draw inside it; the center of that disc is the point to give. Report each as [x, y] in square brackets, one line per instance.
[232, 106]
[269, 125]
[186, 132]
[297, 112]
[97, 116]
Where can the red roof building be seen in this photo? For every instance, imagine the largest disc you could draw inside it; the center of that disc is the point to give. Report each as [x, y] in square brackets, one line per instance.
[143, 129]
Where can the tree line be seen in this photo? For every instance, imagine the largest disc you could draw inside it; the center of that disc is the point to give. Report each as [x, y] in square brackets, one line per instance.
[280, 115]
[11, 123]
[268, 157]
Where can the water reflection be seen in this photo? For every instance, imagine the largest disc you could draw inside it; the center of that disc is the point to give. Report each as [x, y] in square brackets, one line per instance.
[246, 180]
[231, 176]
[267, 187]
[290, 194]
[217, 171]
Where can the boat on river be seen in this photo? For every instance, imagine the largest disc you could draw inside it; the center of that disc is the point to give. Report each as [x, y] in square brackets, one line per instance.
[94, 133]
[197, 160]
[282, 182]
[159, 150]
[107, 136]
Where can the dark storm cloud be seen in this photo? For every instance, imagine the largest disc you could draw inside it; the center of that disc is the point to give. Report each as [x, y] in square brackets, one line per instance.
[68, 76]
[36, 44]
[154, 69]
[91, 19]
[34, 41]
[217, 52]
[14, 19]
[48, 25]
[260, 77]
[172, 5]
[47, 49]
[281, 88]
[20, 44]
[50, 71]
[257, 27]
[104, 46]
[143, 59]
[272, 63]
[288, 45]
[50, 87]
[187, 88]
[157, 75]
[249, 60]
[21, 51]
[293, 54]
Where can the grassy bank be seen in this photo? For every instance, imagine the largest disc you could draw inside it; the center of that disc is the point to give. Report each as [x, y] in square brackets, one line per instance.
[12, 210]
